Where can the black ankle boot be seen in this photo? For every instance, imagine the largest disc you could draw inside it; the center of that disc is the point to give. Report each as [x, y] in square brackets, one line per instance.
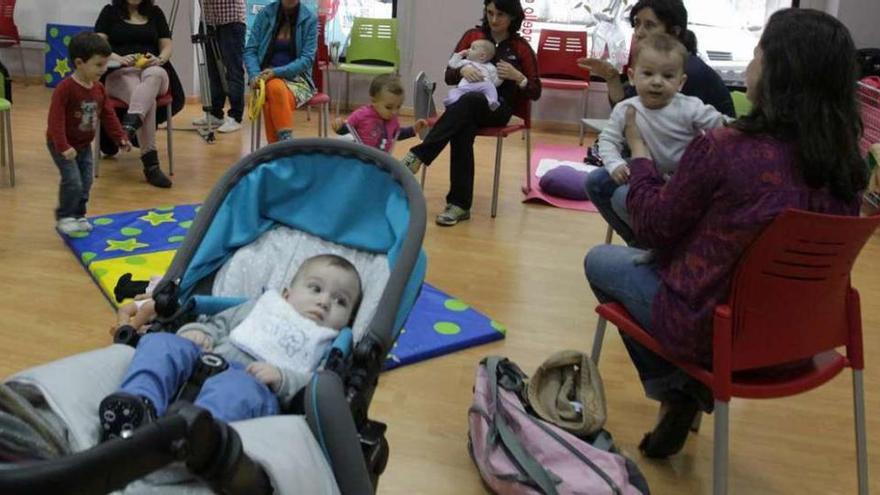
[152, 172]
[670, 434]
[131, 122]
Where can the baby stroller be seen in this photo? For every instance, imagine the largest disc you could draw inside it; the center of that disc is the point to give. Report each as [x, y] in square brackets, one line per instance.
[329, 195]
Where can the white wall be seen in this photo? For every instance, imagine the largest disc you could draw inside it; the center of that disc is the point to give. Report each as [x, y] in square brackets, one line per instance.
[428, 33]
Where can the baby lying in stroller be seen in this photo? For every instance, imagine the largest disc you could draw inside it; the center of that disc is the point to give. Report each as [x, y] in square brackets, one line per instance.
[272, 343]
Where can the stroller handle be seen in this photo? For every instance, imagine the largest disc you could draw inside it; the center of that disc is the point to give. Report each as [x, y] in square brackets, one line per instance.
[211, 449]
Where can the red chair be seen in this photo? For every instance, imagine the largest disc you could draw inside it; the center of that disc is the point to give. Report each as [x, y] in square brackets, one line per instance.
[9, 36]
[558, 52]
[790, 300]
[320, 68]
[523, 111]
[162, 101]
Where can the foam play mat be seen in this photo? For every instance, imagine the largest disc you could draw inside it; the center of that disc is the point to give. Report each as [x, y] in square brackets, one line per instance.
[548, 156]
[143, 243]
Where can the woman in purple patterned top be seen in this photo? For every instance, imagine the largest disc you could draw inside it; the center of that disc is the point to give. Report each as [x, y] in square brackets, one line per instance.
[798, 148]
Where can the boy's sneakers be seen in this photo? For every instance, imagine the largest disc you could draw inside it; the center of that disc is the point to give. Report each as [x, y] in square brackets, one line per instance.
[122, 413]
[68, 225]
[229, 125]
[215, 122]
[412, 162]
[452, 215]
[84, 224]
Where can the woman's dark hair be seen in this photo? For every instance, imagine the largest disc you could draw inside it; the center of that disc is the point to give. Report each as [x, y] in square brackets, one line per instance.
[672, 14]
[807, 95]
[143, 9]
[513, 8]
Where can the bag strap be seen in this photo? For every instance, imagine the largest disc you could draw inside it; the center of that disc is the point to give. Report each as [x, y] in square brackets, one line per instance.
[577, 453]
[528, 463]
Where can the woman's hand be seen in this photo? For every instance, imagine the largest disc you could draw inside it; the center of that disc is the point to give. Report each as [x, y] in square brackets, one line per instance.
[151, 60]
[127, 60]
[637, 146]
[598, 67]
[471, 74]
[507, 71]
[266, 374]
[266, 74]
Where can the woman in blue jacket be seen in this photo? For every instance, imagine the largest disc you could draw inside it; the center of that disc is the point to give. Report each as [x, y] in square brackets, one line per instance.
[281, 50]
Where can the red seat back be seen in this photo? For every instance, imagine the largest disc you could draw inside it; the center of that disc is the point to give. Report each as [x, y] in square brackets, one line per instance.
[558, 52]
[322, 56]
[791, 297]
[8, 29]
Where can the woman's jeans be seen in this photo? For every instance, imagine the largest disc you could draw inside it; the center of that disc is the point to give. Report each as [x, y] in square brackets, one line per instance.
[615, 276]
[610, 199]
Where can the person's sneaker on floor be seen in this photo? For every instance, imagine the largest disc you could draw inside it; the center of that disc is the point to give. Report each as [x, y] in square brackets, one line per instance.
[201, 121]
[84, 224]
[229, 125]
[452, 215]
[285, 135]
[68, 225]
[412, 162]
[122, 413]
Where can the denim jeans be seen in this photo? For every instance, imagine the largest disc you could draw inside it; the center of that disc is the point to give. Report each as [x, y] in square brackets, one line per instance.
[614, 275]
[163, 362]
[230, 43]
[76, 181]
[610, 200]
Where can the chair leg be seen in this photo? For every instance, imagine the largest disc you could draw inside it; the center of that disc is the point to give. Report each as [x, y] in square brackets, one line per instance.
[23, 67]
[498, 146]
[3, 145]
[598, 338]
[609, 234]
[719, 467]
[586, 97]
[309, 116]
[424, 176]
[97, 158]
[528, 134]
[7, 131]
[861, 434]
[325, 119]
[169, 130]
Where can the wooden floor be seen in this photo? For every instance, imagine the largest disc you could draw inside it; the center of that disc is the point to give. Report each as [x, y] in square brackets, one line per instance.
[523, 268]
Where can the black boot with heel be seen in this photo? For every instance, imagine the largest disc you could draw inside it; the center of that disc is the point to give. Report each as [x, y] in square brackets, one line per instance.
[152, 172]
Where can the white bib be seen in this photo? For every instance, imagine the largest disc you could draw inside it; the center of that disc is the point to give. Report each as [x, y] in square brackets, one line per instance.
[276, 333]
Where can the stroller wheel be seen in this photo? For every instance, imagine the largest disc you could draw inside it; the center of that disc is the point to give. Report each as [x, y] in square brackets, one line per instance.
[121, 414]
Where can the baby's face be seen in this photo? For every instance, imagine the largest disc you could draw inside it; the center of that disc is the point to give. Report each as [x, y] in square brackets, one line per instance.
[657, 77]
[325, 294]
[478, 53]
[387, 104]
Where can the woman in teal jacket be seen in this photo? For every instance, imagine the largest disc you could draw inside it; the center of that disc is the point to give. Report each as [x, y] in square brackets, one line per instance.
[281, 50]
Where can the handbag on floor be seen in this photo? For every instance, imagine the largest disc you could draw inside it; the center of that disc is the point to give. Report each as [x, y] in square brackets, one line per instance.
[519, 453]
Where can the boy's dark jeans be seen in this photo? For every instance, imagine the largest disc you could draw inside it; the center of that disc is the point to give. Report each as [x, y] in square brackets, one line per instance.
[76, 181]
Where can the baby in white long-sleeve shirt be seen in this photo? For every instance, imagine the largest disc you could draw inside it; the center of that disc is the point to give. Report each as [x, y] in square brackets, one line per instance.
[479, 55]
[667, 120]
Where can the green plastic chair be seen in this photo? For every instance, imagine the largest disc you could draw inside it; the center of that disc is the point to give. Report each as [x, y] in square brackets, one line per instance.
[741, 105]
[6, 132]
[372, 50]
